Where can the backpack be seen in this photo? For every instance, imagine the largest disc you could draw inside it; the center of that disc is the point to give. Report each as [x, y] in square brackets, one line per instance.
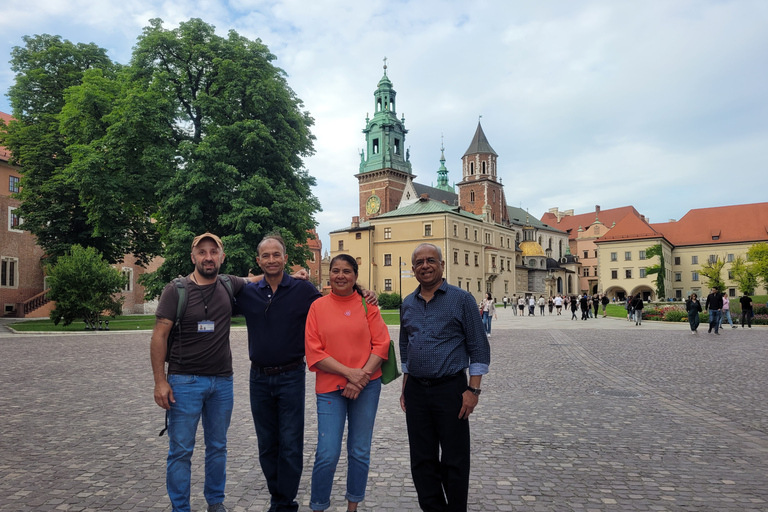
[181, 307]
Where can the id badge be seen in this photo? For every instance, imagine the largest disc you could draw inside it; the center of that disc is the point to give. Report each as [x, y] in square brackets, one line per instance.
[205, 326]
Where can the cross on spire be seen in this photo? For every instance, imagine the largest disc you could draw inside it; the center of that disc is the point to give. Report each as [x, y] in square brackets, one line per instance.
[385, 65]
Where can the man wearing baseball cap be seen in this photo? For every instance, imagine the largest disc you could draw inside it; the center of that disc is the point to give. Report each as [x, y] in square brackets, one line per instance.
[199, 379]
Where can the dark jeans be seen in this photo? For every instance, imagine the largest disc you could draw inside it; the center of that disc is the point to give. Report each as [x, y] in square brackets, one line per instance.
[746, 315]
[277, 405]
[439, 444]
[714, 320]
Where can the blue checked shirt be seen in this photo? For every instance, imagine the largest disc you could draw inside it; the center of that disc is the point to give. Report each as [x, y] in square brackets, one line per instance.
[443, 336]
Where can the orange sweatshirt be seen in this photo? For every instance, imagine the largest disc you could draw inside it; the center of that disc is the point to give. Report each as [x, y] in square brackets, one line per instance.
[337, 327]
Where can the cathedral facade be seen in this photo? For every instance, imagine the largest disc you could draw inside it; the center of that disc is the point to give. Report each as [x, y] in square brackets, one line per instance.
[487, 245]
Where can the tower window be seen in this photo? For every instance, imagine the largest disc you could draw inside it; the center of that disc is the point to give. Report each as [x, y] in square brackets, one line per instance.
[472, 196]
[378, 105]
[483, 167]
[397, 146]
[471, 167]
[375, 146]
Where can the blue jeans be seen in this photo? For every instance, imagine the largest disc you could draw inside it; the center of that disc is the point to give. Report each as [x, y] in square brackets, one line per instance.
[277, 405]
[196, 396]
[714, 319]
[487, 321]
[725, 315]
[638, 316]
[333, 410]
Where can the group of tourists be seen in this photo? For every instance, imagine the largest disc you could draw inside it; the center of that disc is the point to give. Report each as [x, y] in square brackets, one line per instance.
[340, 337]
[555, 304]
[718, 306]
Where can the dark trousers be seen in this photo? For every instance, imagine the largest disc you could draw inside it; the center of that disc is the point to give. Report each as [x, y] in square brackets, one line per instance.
[746, 315]
[277, 405]
[439, 444]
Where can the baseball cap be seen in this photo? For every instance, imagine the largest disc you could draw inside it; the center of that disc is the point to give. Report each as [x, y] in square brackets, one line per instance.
[200, 238]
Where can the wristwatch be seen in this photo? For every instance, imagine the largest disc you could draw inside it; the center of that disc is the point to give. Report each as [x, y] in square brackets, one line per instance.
[474, 391]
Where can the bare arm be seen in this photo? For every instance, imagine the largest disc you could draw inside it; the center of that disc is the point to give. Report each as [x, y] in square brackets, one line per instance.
[299, 274]
[158, 347]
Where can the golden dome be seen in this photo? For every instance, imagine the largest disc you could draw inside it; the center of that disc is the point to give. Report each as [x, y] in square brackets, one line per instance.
[531, 248]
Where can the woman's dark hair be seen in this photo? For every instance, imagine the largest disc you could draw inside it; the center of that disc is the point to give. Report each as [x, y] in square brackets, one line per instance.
[352, 263]
[488, 295]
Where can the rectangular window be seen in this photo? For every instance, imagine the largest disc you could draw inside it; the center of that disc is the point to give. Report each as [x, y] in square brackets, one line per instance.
[595, 253]
[387, 285]
[677, 260]
[456, 230]
[128, 274]
[642, 255]
[614, 256]
[642, 273]
[493, 262]
[713, 258]
[466, 233]
[477, 263]
[475, 235]
[678, 294]
[387, 260]
[614, 274]
[730, 274]
[13, 185]
[358, 236]
[586, 254]
[731, 292]
[427, 229]
[9, 272]
[694, 260]
[456, 257]
[387, 233]
[341, 245]
[628, 256]
[730, 258]
[479, 286]
[459, 283]
[501, 263]
[586, 271]
[678, 276]
[628, 273]
[13, 220]
[694, 276]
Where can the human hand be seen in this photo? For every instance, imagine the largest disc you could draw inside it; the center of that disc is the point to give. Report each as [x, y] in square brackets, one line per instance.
[469, 402]
[164, 395]
[358, 377]
[402, 401]
[370, 297]
[300, 274]
[351, 391]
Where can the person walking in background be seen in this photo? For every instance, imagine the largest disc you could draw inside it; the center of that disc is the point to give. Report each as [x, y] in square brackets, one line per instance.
[551, 304]
[488, 308]
[574, 308]
[714, 305]
[628, 307]
[559, 304]
[521, 305]
[346, 342]
[585, 309]
[746, 310]
[605, 303]
[726, 311]
[441, 336]
[542, 303]
[637, 307]
[596, 303]
[693, 307]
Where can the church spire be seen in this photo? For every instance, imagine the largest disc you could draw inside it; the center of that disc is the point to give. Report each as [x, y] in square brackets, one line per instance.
[442, 172]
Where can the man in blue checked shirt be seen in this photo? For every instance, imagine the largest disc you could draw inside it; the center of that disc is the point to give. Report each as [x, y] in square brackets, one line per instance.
[441, 335]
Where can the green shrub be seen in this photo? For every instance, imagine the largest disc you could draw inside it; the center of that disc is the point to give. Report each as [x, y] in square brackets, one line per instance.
[389, 300]
[676, 315]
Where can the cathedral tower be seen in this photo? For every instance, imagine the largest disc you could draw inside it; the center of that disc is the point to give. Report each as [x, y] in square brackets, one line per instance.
[384, 164]
[480, 184]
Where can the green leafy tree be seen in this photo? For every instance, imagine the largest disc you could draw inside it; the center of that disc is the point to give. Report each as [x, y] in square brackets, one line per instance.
[657, 250]
[46, 66]
[239, 138]
[84, 286]
[758, 256]
[744, 275]
[713, 270]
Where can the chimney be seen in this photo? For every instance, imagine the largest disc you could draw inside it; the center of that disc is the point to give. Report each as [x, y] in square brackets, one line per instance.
[642, 217]
[597, 209]
[355, 221]
[424, 197]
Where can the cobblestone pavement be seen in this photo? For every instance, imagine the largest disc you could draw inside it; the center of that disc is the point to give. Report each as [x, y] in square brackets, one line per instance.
[584, 416]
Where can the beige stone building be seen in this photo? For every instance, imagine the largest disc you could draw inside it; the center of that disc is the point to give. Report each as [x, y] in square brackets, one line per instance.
[487, 245]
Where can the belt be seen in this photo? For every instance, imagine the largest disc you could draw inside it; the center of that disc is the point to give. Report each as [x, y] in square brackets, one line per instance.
[437, 380]
[277, 370]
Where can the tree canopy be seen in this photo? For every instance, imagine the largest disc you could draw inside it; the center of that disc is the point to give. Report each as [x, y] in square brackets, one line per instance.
[713, 271]
[757, 255]
[197, 133]
[657, 250]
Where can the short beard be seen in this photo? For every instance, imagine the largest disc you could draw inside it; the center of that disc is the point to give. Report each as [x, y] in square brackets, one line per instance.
[206, 273]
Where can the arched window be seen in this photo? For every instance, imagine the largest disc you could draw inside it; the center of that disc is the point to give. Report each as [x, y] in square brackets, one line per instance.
[472, 196]
[483, 167]
[471, 167]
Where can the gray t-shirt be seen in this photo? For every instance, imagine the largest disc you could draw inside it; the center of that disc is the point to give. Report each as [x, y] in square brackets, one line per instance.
[195, 351]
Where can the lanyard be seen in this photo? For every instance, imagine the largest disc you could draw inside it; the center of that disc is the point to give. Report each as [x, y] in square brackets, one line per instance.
[202, 296]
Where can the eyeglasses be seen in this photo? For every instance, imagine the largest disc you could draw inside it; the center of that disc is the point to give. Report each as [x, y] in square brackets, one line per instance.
[421, 263]
[269, 303]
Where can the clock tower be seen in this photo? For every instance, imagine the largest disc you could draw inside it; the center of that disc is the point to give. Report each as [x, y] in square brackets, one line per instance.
[384, 163]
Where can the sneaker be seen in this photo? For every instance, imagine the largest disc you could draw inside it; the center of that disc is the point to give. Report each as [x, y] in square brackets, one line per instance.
[734, 327]
[717, 333]
[217, 507]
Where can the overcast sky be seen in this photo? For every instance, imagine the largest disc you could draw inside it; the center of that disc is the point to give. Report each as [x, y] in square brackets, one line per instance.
[662, 105]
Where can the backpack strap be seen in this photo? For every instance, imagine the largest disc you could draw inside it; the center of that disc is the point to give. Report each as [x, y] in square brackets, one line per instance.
[182, 298]
[227, 282]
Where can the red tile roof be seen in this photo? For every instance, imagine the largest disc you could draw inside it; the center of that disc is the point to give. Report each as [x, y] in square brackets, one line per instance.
[4, 153]
[736, 223]
[630, 228]
[571, 223]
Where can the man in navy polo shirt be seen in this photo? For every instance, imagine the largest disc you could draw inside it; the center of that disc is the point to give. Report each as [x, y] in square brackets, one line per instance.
[275, 311]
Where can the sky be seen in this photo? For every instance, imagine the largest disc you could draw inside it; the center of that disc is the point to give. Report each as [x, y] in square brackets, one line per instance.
[662, 105]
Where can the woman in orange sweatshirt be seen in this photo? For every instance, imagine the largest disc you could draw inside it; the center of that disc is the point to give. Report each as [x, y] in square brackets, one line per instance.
[346, 342]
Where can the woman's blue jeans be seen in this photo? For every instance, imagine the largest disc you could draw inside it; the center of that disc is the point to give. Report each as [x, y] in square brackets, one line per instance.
[333, 410]
[487, 321]
[196, 396]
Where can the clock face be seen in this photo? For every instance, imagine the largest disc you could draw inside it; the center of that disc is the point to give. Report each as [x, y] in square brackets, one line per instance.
[373, 204]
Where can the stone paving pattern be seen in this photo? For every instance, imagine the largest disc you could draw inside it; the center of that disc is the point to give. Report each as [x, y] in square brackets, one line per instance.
[583, 416]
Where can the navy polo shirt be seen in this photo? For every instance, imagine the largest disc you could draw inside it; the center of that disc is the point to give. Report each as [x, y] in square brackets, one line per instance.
[276, 320]
[443, 336]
